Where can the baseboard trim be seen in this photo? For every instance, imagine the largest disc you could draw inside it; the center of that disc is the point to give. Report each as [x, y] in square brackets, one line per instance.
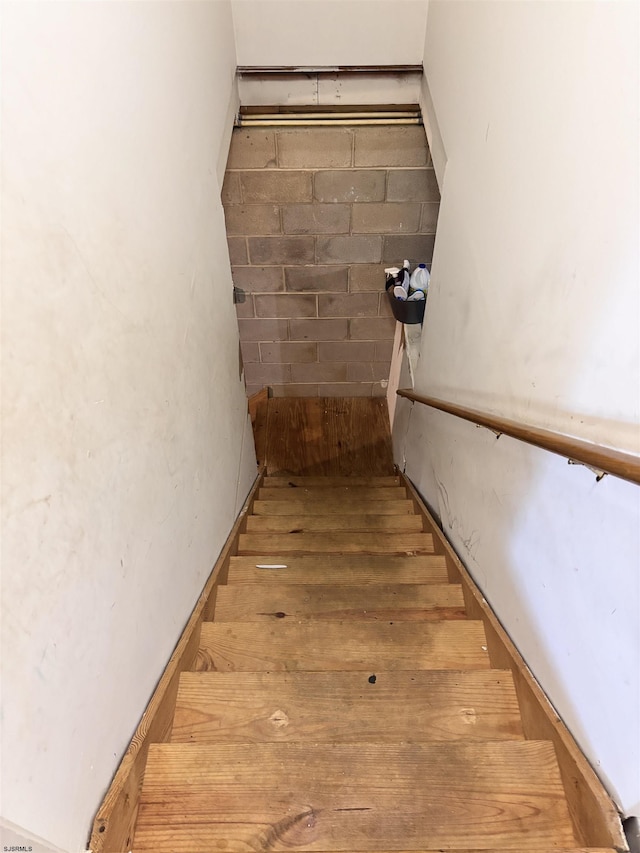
[596, 821]
[114, 823]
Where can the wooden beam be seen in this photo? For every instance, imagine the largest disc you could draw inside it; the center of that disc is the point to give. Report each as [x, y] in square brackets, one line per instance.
[602, 459]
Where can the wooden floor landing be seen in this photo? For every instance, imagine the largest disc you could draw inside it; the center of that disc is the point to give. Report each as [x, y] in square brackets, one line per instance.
[324, 436]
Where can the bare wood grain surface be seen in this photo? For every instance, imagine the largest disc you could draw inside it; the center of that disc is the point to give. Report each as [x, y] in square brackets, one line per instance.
[329, 436]
[344, 707]
[342, 495]
[335, 543]
[375, 602]
[294, 482]
[330, 507]
[338, 569]
[355, 522]
[316, 646]
[337, 797]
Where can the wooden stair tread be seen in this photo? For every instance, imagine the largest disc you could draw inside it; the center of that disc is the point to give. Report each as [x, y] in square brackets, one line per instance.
[504, 794]
[275, 602]
[330, 507]
[343, 707]
[321, 645]
[345, 494]
[296, 481]
[354, 522]
[338, 569]
[335, 543]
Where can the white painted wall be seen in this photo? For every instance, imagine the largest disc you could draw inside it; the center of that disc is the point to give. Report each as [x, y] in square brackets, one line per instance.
[124, 417]
[329, 32]
[534, 314]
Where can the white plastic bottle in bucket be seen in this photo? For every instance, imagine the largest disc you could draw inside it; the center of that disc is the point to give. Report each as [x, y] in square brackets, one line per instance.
[420, 280]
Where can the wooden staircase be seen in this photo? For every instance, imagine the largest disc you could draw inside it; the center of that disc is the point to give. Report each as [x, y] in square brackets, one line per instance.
[345, 697]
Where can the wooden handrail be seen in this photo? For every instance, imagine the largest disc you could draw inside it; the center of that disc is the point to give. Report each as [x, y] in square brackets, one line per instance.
[623, 465]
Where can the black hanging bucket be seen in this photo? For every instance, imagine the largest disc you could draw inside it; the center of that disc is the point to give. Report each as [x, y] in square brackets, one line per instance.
[405, 311]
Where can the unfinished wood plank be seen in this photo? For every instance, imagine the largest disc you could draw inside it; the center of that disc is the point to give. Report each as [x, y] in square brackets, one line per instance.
[352, 521]
[375, 602]
[114, 822]
[329, 507]
[337, 569]
[342, 494]
[340, 796]
[258, 403]
[317, 645]
[335, 543]
[329, 436]
[595, 817]
[329, 482]
[343, 707]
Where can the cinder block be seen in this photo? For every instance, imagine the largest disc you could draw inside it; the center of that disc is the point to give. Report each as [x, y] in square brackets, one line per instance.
[346, 351]
[252, 148]
[384, 307]
[253, 389]
[316, 278]
[348, 305]
[231, 189]
[349, 249]
[386, 218]
[291, 390]
[379, 389]
[365, 277]
[418, 248]
[412, 185]
[391, 146]
[369, 371]
[245, 309]
[277, 187]
[264, 330]
[371, 328]
[346, 389]
[316, 218]
[264, 374]
[429, 220]
[258, 279]
[288, 352]
[286, 305]
[322, 372]
[238, 250]
[383, 351]
[352, 185]
[250, 351]
[318, 330]
[319, 148]
[281, 250]
[252, 219]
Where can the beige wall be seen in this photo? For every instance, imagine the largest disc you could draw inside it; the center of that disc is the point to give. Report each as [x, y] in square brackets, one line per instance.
[313, 217]
[125, 451]
[329, 32]
[534, 314]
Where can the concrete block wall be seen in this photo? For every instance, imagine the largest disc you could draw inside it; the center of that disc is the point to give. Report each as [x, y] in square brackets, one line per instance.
[314, 215]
